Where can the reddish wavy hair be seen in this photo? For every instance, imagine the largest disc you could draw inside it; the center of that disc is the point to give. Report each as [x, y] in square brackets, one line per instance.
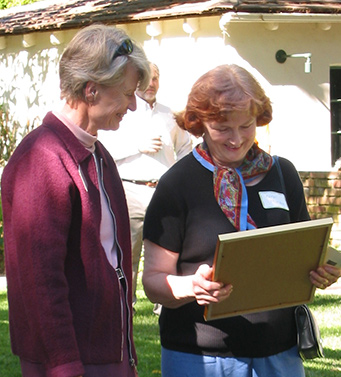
[224, 89]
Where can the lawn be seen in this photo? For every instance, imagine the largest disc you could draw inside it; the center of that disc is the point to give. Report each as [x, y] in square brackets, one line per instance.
[326, 308]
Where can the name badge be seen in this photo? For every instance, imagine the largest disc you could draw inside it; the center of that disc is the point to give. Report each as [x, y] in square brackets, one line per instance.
[273, 199]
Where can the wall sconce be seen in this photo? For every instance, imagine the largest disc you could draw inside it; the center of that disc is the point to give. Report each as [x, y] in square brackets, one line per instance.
[57, 38]
[272, 26]
[325, 26]
[2, 43]
[28, 40]
[281, 57]
[190, 26]
[154, 28]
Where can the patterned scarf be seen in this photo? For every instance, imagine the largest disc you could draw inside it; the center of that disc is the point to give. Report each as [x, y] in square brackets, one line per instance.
[229, 183]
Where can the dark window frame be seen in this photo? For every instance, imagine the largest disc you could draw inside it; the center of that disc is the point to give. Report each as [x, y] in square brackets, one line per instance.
[335, 112]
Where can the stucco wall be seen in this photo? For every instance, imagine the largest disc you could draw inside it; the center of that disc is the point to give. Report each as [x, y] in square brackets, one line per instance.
[300, 130]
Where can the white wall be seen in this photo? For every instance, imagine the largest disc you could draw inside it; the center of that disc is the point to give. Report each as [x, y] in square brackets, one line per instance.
[29, 81]
[300, 130]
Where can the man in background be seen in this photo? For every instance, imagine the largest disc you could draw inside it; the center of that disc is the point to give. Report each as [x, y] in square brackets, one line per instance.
[145, 146]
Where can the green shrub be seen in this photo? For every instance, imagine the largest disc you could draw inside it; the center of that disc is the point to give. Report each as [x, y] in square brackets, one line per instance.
[2, 262]
[8, 135]
[4, 4]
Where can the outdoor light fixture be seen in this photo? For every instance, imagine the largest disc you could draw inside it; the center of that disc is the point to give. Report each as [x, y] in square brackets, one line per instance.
[28, 40]
[57, 38]
[325, 26]
[154, 28]
[273, 26]
[190, 26]
[281, 57]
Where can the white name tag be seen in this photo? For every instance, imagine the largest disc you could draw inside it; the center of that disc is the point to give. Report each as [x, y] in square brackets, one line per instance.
[272, 199]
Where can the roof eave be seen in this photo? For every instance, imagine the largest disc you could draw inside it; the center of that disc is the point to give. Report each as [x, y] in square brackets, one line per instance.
[51, 16]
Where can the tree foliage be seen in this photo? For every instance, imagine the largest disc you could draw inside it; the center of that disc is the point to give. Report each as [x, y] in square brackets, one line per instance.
[4, 4]
[9, 130]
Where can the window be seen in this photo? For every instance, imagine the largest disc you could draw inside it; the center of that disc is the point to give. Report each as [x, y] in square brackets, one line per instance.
[335, 112]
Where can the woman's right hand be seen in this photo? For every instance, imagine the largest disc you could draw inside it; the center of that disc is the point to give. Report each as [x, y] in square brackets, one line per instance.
[207, 291]
[163, 285]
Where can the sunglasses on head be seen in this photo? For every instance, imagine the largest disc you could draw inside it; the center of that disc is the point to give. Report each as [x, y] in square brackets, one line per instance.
[126, 48]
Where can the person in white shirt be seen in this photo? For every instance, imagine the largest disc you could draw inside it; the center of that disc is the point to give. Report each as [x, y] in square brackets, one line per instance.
[146, 145]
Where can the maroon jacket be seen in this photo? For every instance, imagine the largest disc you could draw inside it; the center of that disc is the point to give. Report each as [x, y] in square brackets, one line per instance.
[64, 296]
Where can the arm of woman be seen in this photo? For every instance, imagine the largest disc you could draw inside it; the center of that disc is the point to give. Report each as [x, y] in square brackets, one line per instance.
[164, 286]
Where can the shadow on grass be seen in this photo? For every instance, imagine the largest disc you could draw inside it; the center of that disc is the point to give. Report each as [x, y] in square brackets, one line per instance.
[147, 341]
[146, 334]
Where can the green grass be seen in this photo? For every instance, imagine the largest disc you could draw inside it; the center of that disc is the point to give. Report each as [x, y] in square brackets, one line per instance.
[326, 308]
[146, 335]
[9, 364]
[327, 311]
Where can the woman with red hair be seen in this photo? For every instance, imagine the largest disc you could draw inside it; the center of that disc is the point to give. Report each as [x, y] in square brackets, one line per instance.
[227, 184]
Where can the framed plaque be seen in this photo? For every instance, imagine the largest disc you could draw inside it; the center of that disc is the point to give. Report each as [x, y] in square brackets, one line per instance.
[269, 267]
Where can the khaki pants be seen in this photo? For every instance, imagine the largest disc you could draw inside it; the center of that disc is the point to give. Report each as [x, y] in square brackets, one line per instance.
[138, 198]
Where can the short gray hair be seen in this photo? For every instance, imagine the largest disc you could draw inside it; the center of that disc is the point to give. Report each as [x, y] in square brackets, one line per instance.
[89, 57]
[155, 67]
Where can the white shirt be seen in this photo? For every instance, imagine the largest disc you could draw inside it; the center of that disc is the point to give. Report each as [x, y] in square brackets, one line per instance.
[123, 144]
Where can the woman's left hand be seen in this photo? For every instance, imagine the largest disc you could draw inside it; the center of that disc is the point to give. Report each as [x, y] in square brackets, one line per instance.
[207, 291]
[325, 276]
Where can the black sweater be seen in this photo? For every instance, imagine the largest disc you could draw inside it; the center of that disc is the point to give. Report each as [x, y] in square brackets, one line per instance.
[184, 217]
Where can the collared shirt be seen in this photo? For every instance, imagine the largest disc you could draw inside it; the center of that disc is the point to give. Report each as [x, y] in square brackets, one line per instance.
[123, 144]
[107, 222]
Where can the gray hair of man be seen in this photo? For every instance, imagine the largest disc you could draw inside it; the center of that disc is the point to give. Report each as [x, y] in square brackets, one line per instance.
[155, 67]
[89, 57]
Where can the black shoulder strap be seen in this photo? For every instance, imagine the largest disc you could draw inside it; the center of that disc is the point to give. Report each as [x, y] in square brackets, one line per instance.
[278, 166]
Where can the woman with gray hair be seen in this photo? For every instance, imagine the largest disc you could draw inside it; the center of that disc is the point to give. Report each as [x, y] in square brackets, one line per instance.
[66, 224]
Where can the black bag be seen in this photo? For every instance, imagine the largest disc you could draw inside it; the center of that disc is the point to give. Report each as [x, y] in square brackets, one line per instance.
[309, 341]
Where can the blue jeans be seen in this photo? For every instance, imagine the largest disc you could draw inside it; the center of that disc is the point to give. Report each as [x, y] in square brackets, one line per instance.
[180, 364]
